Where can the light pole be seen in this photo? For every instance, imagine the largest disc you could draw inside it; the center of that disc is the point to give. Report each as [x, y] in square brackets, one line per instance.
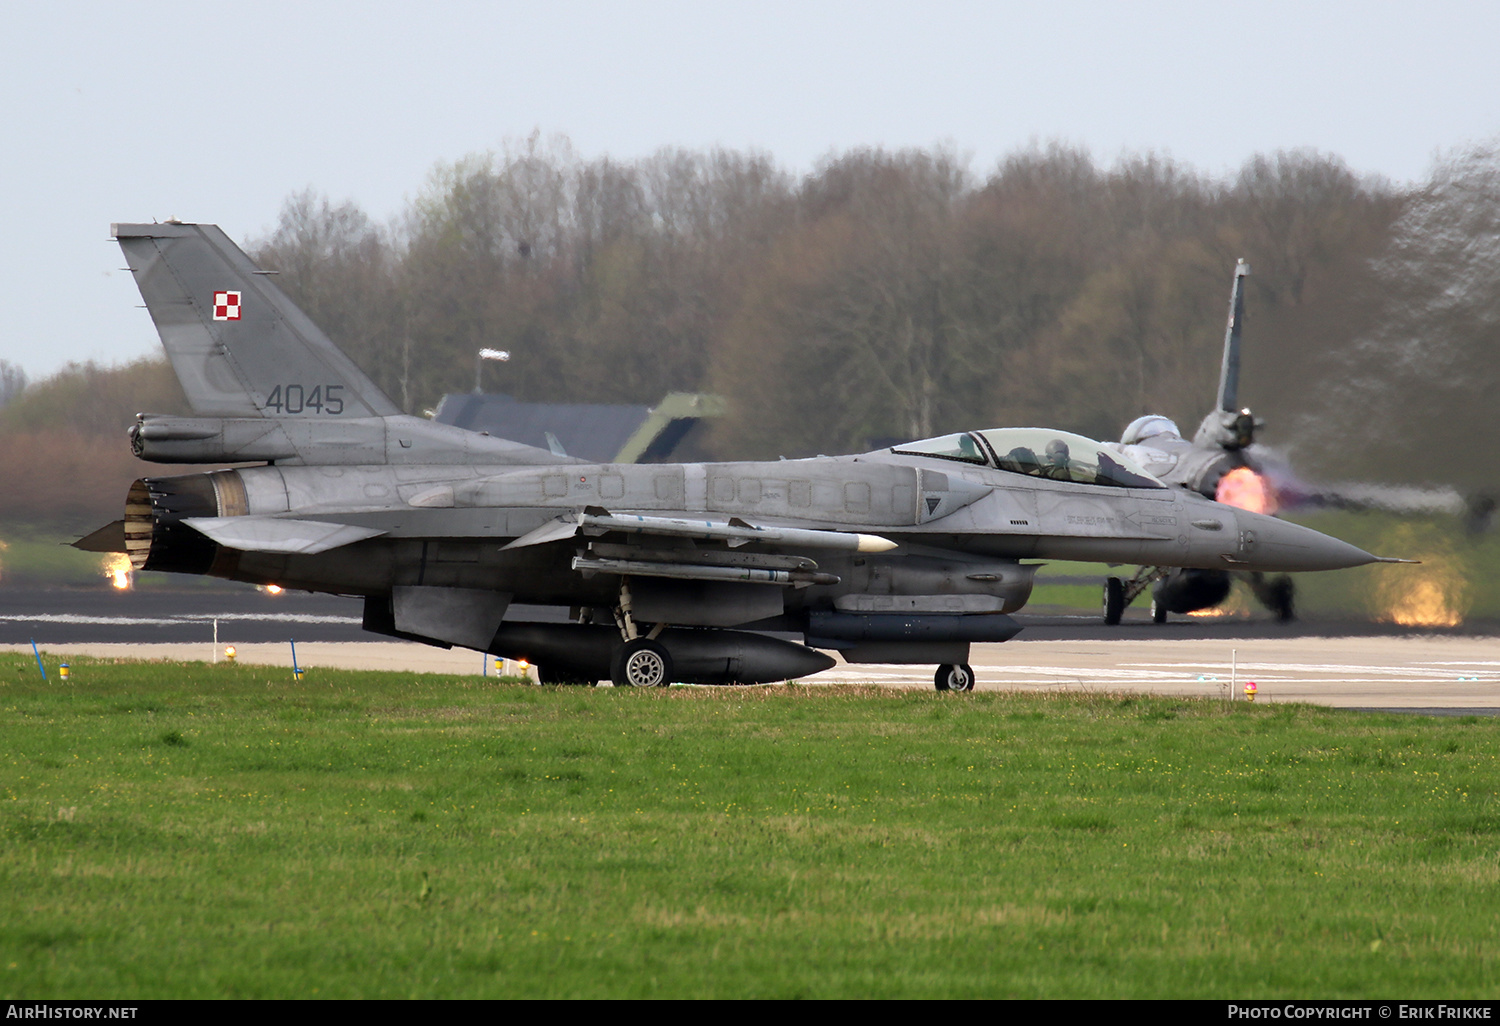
[486, 354]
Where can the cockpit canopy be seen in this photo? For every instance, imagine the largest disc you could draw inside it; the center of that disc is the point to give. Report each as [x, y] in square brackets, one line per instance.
[1149, 426]
[1037, 452]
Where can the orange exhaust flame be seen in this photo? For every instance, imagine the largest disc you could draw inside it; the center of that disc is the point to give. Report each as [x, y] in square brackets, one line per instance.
[1433, 594]
[117, 568]
[1425, 604]
[1243, 488]
[272, 589]
[1233, 606]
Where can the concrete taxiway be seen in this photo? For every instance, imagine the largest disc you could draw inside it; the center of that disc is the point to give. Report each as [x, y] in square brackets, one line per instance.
[1354, 664]
[1452, 675]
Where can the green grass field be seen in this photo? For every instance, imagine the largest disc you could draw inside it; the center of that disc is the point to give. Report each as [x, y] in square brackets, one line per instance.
[36, 554]
[182, 830]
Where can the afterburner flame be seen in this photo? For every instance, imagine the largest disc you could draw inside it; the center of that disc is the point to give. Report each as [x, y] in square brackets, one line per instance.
[118, 569]
[1243, 488]
[1432, 594]
[1235, 606]
[1426, 603]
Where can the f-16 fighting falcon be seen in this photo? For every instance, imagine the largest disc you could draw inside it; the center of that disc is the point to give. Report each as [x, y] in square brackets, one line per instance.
[1224, 462]
[695, 572]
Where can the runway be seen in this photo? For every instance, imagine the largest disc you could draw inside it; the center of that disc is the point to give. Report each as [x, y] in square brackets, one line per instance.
[1453, 674]
[244, 614]
[1351, 665]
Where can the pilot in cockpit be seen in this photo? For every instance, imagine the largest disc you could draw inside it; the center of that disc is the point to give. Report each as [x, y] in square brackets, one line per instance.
[1057, 467]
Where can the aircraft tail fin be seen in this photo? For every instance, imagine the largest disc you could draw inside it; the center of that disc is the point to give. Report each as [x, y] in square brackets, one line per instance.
[1229, 371]
[239, 345]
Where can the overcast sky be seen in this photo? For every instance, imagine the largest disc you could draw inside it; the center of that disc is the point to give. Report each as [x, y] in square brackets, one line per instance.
[217, 111]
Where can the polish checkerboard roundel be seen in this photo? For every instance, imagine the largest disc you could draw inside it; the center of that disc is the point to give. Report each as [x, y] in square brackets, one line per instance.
[226, 306]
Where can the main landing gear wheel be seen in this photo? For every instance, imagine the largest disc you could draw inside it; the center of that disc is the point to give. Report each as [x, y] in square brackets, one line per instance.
[954, 677]
[1279, 599]
[1114, 600]
[1158, 612]
[641, 664]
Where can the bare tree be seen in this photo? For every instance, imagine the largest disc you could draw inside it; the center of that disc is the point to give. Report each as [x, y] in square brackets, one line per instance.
[1421, 381]
[852, 319]
[12, 381]
[341, 268]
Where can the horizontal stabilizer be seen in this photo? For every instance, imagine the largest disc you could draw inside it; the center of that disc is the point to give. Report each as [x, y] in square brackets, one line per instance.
[269, 534]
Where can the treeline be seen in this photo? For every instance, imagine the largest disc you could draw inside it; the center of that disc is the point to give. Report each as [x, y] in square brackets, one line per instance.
[897, 294]
[892, 295]
[65, 459]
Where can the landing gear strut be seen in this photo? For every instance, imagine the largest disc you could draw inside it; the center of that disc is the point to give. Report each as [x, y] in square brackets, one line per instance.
[641, 662]
[954, 677]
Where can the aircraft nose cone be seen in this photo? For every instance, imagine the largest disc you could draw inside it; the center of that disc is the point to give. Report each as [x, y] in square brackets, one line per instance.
[1278, 546]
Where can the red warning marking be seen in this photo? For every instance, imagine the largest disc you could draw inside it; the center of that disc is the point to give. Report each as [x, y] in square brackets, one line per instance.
[226, 306]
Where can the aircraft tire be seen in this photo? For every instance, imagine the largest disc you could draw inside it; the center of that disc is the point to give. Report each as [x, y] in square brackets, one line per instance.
[954, 677]
[1158, 612]
[641, 664]
[1282, 599]
[1114, 600]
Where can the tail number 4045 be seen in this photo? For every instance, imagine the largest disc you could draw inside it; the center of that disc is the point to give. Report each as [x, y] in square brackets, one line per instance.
[295, 399]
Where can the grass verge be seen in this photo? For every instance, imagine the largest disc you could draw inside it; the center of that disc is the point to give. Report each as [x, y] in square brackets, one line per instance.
[185, 830]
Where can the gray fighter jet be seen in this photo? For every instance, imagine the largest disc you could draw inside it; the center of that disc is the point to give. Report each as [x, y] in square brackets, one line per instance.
[1221, 458]
[699, 572]
[1224, 462]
